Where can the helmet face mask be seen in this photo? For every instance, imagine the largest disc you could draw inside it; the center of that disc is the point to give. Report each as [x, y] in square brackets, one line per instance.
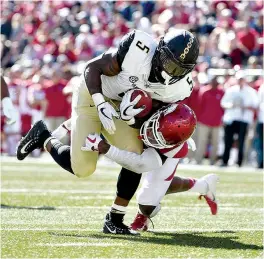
[150, 135]
[173, 64]
[169, 127]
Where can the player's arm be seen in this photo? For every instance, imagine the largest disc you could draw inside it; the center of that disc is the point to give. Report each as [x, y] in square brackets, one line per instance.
[8, 108]
[147, 161]
[108, 64]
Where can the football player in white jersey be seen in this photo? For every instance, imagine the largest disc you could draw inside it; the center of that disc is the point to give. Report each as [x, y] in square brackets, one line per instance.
[160, 68]
[166, 135]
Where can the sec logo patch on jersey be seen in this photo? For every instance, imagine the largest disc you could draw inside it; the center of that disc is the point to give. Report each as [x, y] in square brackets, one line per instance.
[133, 80]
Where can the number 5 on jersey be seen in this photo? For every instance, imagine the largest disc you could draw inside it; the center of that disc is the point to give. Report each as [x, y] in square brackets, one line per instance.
[142, 46]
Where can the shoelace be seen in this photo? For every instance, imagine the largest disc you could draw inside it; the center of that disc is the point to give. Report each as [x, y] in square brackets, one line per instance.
[151, 222]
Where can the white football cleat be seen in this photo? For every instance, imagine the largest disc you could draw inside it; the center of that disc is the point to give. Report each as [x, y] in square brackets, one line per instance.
[210, 196]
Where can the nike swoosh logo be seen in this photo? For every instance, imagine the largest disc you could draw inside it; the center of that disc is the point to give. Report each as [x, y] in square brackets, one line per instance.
[102, 111]
[110, 230]
[125, 111]
[91, 140]
[23, 149]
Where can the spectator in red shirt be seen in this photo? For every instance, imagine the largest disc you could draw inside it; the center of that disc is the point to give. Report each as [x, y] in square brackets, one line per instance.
[210, 120]
[247, 39]
[57, 105]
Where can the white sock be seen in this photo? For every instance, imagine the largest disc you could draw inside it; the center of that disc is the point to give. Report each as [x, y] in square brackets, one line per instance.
[200, 186]
[60, 132]
[46, 142]
[118, 209]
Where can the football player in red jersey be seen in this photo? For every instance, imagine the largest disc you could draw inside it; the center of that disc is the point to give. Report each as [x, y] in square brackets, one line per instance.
[7, 105]
[166, 135]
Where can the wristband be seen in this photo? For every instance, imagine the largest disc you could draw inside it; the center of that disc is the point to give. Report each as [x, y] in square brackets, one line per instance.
[6, 101]
[98, 98]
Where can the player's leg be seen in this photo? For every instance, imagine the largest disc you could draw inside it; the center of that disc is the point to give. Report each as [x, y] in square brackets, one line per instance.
[154, 187]
[158, 183]
[83, 163]
[62, 130]
[84, 121]
[205, 186]
[124, 138]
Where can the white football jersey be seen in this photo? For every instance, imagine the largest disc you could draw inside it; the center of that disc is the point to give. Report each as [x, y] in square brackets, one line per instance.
[136, 68]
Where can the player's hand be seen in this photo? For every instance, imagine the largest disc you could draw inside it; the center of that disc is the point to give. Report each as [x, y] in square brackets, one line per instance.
[127, 108]
[106, 113]
[9, 110]
[91, 142]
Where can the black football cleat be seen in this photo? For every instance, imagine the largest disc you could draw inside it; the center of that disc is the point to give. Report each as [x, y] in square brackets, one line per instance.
[32, 140]
[116, 226]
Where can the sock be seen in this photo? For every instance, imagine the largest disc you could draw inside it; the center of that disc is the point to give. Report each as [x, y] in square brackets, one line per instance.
[180, 184]
[199, 186]
[118, 209]
[62, 130]
[61, 154]
[117, 214]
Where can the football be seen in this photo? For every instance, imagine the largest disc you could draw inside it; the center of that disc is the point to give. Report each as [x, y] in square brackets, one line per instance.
[145, 101]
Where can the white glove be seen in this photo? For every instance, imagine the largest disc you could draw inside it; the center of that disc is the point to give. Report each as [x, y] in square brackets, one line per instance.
[9, 110]
[127, 110]
[91, 142]
[106, 112]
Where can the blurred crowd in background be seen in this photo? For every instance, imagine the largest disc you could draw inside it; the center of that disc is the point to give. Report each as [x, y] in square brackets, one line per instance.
[45, 44]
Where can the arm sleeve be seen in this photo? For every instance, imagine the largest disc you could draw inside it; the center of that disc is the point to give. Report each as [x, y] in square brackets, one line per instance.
[175, 152]
[124, 46]
[149, 160]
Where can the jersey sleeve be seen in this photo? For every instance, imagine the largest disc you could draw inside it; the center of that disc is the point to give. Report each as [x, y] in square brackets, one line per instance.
[175, 152]
[124, 46]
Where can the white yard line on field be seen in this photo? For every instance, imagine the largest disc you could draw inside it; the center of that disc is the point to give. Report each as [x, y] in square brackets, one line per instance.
[104, 164]
[45, 191]
[171, 208]
[95, 192]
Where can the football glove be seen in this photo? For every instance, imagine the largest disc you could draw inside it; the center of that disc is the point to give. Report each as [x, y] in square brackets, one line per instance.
[106, 113]
[9, 110]
[127, 110]
[91, 142]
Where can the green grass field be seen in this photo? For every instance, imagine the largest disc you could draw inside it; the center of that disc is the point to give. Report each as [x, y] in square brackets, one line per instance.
[48, 213]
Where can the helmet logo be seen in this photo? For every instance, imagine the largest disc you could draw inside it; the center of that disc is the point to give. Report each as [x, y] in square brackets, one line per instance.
[187, 49]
